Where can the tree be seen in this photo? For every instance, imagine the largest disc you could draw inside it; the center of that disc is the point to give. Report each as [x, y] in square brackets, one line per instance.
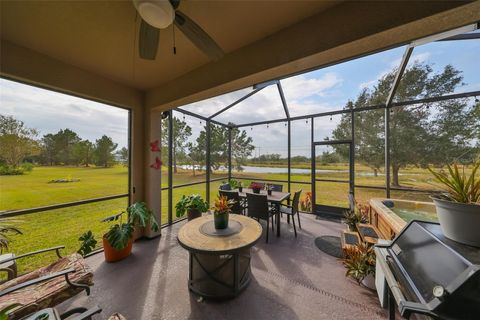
[83, 153]
[196, 155]
[242, 146]
[181, 133]
[48, 152]
[16, 140]
[104, 148]
[427, 133]
[122, 156]
[65, 140]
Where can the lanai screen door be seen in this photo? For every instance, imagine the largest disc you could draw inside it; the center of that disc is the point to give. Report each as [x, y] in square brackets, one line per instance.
[333, 174]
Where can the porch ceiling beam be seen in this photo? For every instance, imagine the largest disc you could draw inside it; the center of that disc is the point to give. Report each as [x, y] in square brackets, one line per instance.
[384, 25]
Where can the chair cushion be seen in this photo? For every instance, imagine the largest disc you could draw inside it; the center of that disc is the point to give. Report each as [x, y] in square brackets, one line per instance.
[286, 210]
[46, 293]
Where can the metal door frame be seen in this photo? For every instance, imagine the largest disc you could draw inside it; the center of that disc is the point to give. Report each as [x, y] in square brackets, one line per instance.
[324, 209]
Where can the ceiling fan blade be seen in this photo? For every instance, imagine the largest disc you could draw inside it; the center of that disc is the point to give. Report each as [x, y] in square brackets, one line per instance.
[148, 41]
[198, 36]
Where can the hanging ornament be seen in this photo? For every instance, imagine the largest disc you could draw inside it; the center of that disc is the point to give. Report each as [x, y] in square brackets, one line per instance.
[154, 146]
[157, 164]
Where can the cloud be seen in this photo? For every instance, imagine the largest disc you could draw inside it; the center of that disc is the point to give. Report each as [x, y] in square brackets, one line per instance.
[416, 58]
[50, 111]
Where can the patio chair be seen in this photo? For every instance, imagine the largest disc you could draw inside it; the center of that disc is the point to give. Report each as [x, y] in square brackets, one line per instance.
[46, 286]
[237, 207]
[8, 261]
[292, 210]
[258, 208]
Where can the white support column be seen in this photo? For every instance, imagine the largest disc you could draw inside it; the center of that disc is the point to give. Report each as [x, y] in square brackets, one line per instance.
[153, 172]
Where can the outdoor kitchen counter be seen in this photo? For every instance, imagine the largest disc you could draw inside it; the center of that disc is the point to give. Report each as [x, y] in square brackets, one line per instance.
[219, 259]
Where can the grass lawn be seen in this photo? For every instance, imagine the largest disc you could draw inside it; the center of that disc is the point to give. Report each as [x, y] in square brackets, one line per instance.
[64, 226]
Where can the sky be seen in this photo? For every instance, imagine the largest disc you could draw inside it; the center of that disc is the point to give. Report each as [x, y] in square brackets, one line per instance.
[317, 91]
[49, 111]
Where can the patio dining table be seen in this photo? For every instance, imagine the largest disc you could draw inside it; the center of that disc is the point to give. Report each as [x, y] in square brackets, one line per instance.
[275, 198]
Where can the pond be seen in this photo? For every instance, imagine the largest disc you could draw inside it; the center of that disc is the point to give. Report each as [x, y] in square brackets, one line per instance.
[254, 169]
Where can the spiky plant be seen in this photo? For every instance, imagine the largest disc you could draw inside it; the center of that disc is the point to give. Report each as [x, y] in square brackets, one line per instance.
[360, 262]
[459, 186]
[5, 229]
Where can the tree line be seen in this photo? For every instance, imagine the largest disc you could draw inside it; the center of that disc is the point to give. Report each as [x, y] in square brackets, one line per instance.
[19, 144]
[193, 153]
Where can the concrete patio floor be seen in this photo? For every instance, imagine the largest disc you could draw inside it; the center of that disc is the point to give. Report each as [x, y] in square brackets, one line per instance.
[292, 279]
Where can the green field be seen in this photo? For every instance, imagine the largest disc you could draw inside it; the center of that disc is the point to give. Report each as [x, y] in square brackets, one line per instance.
[64, 226]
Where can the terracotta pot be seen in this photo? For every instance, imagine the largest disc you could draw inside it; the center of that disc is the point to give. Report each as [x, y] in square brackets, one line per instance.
[112, 254]
[193, 214]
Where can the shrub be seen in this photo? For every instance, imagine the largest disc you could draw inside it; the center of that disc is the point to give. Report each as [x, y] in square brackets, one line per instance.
[6, 170]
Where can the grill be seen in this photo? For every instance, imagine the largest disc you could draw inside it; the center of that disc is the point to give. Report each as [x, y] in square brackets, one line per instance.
[427, 273]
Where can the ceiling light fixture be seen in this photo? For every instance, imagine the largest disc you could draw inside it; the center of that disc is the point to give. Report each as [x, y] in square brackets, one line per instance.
[157, 13]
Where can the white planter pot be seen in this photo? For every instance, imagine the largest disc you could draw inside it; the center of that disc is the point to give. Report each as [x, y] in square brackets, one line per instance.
[369, 282]
[459, 221]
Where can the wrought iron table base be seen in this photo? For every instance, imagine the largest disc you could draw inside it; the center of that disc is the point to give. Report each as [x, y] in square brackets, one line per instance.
[217, 276]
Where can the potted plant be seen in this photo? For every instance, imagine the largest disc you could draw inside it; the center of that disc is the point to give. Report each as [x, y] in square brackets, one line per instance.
[360, 264]
[117, 242]
[458, 208]
[352, 217]
[193, 204]
[256, 187]
[221, 210]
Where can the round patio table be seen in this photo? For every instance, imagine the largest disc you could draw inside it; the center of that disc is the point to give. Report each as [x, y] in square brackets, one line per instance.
[219, 266]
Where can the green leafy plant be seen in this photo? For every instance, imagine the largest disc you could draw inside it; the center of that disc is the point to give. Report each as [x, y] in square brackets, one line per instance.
[459, 186]
[360, 262]
[234, 184]
[88, 243]
[119, 235]
[191, 202]
[352, 217]
[140, 215]
[5, 229]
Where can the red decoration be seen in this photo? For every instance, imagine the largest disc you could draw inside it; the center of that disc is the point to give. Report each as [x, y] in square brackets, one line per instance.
[154, 146]
[157, 165]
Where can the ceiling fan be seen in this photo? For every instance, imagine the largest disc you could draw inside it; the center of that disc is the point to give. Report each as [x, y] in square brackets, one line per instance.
[159, 14]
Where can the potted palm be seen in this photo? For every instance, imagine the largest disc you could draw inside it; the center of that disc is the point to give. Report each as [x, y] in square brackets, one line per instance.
[458, 208]
[221, 210]
[193, 205]
[117, 242]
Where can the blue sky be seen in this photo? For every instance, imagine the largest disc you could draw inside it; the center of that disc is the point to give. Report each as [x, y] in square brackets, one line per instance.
[317, 91]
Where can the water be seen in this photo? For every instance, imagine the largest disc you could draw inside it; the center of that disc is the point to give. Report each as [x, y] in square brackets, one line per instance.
[411, 214]
[253, 169]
